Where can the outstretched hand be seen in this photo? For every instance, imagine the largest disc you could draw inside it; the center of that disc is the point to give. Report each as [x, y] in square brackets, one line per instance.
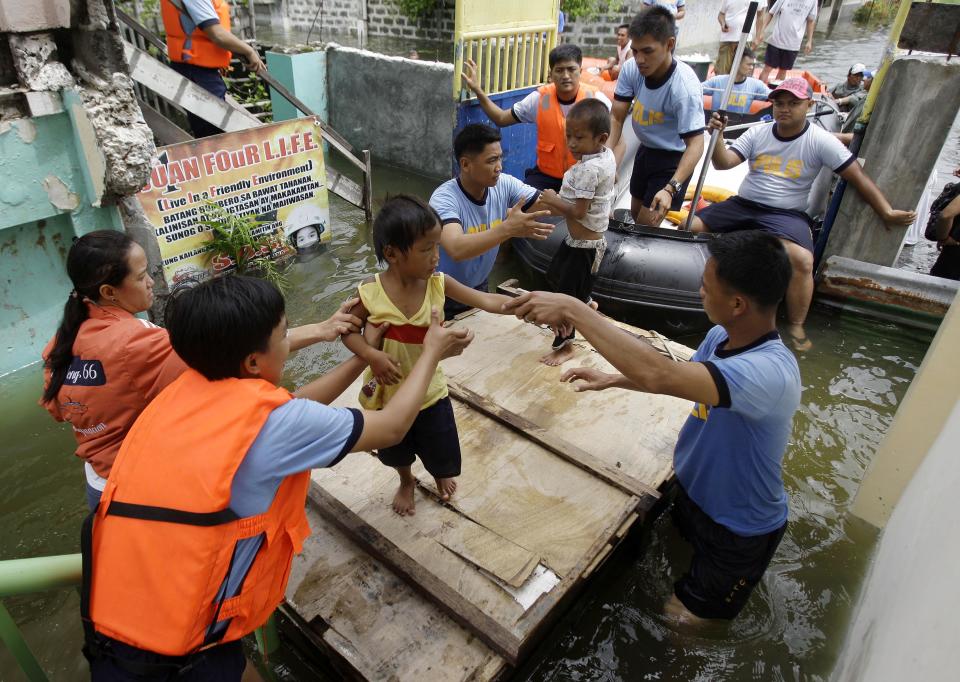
[469, 75]
[521, 224]
[445, 341]
[899, 218]
[542, 307]
[591, 378]
[340, 323]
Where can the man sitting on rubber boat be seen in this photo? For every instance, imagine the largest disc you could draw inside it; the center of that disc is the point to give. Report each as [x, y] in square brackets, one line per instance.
[746, 88]
[785, 157]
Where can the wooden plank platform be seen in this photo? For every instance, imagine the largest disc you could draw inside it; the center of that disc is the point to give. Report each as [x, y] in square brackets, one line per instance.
[551, 481]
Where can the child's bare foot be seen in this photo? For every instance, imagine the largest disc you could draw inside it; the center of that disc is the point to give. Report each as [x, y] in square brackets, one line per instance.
[558, 357]
[446, 487]
[403, 503]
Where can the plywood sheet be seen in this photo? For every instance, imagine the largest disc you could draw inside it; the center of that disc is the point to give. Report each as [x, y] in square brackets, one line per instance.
[634, 432]
[375, 621]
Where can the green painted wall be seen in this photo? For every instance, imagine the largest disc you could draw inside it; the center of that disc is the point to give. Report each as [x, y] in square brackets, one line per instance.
[45, 201]
[305, 75]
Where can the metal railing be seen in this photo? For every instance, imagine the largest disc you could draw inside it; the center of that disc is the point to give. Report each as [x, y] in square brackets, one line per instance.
[46, 573]
[510, 52]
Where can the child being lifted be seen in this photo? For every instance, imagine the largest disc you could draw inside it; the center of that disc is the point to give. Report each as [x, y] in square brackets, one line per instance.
[584, 200]
[406, 235]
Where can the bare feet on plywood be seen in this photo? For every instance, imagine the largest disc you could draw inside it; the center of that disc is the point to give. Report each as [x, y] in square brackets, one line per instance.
[403, 503]
[556, 358]
[446, 487]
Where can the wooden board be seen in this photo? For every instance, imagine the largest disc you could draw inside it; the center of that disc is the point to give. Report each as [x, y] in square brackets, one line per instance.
[373, 621]
[537, 495]
[634, 433]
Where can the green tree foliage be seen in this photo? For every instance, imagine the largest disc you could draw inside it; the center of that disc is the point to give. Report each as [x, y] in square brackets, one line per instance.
[235, 237]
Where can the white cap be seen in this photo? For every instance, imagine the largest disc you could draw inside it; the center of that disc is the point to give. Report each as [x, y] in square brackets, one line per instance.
[302, 216]
[856, 68]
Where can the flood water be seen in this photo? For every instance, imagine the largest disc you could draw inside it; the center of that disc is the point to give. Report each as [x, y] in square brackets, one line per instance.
[793, 627]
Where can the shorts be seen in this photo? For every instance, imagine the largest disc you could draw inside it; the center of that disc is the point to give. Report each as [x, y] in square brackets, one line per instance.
[652, 169]
[725, 56]
[123, 663]
[452, 308]
[777, 58]
[538, 179]
[725, 566]
[948, 263]
[569, 271]
[434, 438]
[737, 213]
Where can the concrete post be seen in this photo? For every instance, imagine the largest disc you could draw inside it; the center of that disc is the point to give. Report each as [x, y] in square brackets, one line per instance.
[907, 130]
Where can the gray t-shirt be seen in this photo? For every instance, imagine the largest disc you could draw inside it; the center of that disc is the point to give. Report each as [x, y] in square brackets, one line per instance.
[782, 169]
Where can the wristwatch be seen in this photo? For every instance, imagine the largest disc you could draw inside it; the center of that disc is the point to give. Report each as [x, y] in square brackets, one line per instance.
[674, 185]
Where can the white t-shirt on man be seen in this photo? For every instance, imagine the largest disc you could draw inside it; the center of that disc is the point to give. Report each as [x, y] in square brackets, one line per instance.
[735, 13]
[783, 169]
[791, 22]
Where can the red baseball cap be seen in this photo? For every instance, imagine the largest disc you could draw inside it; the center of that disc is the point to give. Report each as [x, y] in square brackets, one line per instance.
[797, 87]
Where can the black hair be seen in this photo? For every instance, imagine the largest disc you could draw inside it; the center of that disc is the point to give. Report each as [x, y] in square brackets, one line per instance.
[594, 113]
[656, 22]
[95, 259]
[565, 53]
[626, 26]
[215, 325]
[752, 263]
[402, 220]
[473, 139]
[747, 52]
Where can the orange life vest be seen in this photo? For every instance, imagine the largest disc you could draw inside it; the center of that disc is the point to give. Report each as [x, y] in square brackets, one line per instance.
[553, 157]
[164, 535]
[197, 48]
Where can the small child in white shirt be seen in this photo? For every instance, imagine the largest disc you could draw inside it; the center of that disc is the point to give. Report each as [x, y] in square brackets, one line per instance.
[584, 200]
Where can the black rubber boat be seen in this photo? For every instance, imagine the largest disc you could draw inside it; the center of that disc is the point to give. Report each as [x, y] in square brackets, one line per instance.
[650, 276]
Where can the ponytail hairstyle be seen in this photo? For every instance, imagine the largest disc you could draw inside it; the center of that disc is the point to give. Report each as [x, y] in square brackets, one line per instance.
[95, 259]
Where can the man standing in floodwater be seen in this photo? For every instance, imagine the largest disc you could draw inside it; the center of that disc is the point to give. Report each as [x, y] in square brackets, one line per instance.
[667, 117]
[745, 387]
[547, 108]
[480, 209]
[200, 46]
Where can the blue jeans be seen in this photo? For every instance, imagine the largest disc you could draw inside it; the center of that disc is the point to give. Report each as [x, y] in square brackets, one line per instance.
[211, 81]
[93, 497]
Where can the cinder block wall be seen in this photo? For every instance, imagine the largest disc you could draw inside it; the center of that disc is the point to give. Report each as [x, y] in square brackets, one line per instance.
[400, 109]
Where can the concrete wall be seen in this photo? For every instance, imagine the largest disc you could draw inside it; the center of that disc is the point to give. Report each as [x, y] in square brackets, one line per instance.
[399, 109]
[904, 626]
[699, 29]
[899, 155]
[378, 17]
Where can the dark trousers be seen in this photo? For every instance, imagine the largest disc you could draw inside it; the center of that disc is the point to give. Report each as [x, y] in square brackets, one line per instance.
[451, 307]
[538, 179]
[211, 81]
[122, 663]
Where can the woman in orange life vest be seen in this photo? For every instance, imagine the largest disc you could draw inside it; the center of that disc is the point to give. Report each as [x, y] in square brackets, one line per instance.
[547, 107]
[104, 365]
[190, 547]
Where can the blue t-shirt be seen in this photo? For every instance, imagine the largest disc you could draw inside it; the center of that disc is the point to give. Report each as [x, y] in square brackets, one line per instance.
[729, 457]
[665, 112]
[298, 436]
[454, 205]
[742, 95]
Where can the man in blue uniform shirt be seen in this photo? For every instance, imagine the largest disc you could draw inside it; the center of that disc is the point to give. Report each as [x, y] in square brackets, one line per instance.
[745, 388]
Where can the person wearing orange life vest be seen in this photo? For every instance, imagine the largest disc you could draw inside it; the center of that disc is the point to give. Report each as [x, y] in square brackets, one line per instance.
[191, 545]
[546, 107]
[200, 45]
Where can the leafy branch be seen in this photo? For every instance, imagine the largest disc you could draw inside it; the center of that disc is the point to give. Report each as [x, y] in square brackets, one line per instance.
[234, 237]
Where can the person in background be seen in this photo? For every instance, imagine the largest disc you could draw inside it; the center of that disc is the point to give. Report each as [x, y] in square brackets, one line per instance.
[730, 502]
[624, 53]
[677, 8]
[200, 46]
[784, 158]
[746, 88]
[731, 17]
[783, 46]
[547, 108]
[191, 545]
[666, 114]
[947, 233]
[847, 92]
[104, 365]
